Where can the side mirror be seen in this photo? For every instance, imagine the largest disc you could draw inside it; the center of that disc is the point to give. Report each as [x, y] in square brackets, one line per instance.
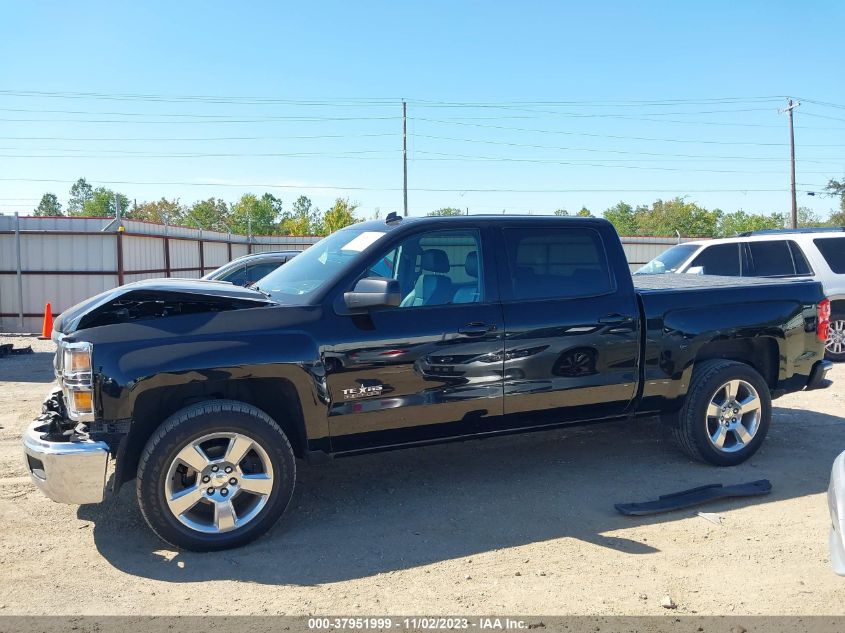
[373, 292]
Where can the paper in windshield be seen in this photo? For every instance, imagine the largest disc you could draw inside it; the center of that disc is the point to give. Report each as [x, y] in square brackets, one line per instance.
[362, 241]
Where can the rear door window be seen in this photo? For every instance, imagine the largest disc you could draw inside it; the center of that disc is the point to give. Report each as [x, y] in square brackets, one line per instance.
[833, 251]
[719, 259]
[772, 258]
[548, 262]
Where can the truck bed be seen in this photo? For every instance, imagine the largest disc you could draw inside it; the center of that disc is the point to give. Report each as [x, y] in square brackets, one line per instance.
[646, 284]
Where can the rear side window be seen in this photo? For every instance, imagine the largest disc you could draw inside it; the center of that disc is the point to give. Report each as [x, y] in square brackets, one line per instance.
[257, 271]
[237, 276]
[802, 266]
[772, 259]
[833, 251]
[719, 259]
[547, 263]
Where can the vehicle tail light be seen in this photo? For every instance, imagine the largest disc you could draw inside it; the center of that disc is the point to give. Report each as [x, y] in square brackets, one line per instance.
[823, 326]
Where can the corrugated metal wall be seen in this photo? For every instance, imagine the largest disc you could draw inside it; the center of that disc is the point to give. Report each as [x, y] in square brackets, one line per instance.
[66, 260]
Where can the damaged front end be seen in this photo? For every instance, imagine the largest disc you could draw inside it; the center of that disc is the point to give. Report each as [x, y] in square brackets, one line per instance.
[63, 460]
[71, 447]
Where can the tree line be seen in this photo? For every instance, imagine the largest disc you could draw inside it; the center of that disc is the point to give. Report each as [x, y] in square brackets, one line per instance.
[266, 215]
[250, 214]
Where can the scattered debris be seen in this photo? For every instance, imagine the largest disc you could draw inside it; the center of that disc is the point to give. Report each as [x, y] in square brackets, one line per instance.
[8, 349]
[715, 519]
[668, 603]
[695, 496]
[643, 596]
[738, 629]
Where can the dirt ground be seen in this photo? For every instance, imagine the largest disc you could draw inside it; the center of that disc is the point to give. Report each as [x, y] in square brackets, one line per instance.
[521, 524]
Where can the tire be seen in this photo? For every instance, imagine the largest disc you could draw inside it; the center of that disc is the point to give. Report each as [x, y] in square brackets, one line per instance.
[196, 451]
[698, 433]
[835, 345]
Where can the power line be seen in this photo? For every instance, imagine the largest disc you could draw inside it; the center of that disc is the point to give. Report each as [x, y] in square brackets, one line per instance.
[193, 138]
[364, 101]
[678, 190]
[594, 150]
[203, 122]
[506, 159]
[614, 136]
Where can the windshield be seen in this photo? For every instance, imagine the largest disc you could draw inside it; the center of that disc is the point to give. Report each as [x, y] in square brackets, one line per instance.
[312, 268]
[668, 261]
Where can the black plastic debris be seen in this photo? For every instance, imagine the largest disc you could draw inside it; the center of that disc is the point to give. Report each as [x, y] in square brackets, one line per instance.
[694, 497]
[7, 349]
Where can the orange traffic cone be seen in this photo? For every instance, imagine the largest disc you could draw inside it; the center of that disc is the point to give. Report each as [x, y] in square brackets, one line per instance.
[47, 326]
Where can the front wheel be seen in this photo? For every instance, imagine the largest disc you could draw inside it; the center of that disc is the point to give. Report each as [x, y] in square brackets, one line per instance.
[834, 347]
[215, 475]
[726, 414]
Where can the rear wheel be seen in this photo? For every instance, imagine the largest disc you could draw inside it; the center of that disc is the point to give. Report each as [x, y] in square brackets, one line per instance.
[215, 475]
[834, 347]
[726, 414]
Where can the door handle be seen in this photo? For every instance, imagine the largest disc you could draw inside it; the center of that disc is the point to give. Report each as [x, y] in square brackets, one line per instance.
[615, 319]
[476, 329]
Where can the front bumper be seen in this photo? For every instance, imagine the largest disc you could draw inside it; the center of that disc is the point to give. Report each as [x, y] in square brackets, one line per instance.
[67, 471]
[818, 374]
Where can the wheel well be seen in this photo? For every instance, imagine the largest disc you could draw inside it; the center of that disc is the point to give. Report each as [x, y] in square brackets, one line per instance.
[761, 353]
[837, 306]
[277, 397]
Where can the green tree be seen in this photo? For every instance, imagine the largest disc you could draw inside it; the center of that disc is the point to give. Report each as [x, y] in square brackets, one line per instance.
[211, 215]
[837, 219]
[49, 206]
[584, 212]
[836, 189]
[622, 216]
[263, 214]
[163, 211]
[101, 204]
[669, 217]
[303, 218]
[808, 217]
[739, 222]
[339, 215]
[561, 212]
[447, 211]
[80, 193]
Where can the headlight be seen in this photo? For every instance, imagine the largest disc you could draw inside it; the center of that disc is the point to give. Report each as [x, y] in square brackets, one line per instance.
[76, 360]
[77, 380]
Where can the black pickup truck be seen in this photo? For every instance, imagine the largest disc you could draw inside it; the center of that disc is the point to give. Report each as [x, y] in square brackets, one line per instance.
[398, 333]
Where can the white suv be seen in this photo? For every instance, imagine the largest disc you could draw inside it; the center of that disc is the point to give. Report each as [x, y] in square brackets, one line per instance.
[817, 253]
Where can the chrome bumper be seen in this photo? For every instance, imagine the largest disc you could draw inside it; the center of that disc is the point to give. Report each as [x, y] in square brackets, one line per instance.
[67, 472]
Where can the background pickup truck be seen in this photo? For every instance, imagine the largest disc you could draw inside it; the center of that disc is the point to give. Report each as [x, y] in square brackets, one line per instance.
[395, 333]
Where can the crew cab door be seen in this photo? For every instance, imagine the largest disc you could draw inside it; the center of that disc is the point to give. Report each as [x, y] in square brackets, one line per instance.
[571, 324]
[431, 367]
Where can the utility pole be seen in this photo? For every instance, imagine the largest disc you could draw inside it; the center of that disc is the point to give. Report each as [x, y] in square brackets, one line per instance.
[790, 106]
[405, 155]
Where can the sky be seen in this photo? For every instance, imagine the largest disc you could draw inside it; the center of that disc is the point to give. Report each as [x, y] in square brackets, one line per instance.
[523, 107]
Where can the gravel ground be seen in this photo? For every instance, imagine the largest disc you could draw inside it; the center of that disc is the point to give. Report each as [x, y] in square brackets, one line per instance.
[521, 524]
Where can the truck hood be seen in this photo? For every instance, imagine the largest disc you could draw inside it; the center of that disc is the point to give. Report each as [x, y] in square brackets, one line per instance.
[154, 298]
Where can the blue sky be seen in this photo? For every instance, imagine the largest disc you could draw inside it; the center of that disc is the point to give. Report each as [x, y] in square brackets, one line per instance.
[526, 106]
